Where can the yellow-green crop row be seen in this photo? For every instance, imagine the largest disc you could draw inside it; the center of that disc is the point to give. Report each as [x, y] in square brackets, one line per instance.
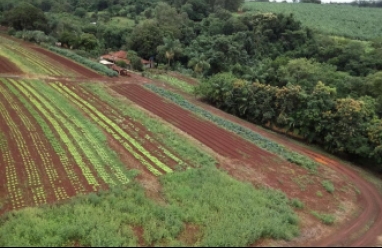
[114, 129]
[73, 177]
[38, 144]
[22, 61]
[66, 121]
[12, 184]
[135, 129]
[96, 142]
[27, 59]
[64, 137]
[32, 178]
[99, 156]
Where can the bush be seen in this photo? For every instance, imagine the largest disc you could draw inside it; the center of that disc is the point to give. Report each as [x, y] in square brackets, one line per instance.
[328, 186]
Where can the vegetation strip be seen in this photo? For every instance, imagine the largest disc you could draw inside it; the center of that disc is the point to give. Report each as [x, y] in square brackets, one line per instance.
[160, 131]
[47, 165]
[68, 142]
[33, 179]
[88, 135]
[13, 184]
[115, 115]
[243, 132]
[114, 129]
[75, 182]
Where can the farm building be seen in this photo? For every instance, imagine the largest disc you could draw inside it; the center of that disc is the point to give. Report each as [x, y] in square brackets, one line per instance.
[122, 56]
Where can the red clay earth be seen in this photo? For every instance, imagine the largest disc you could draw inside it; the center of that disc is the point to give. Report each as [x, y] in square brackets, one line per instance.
[7, 66]
[370, 198]
[68, 63]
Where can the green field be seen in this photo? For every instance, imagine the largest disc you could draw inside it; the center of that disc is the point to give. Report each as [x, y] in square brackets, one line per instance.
[341, 20]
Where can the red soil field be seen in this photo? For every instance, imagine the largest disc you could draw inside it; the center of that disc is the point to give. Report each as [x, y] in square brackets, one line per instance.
[68, 63]
[240, 152]
[225, 144]
[370, 198]
[7, 66]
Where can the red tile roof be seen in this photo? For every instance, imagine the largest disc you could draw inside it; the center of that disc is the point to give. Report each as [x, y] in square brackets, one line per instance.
[121, 56]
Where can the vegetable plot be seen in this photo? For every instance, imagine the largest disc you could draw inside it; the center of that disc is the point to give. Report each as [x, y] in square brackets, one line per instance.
[54, 144]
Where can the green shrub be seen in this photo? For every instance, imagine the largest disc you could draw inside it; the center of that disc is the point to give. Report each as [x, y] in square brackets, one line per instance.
[297, 203]
[327, 219]
[86, 62]
[328, 186]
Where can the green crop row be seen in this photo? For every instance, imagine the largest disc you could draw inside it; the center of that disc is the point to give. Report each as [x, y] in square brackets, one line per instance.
[28, 60]
[47, 165]
[87, 135]
[89, 63]
[77, 156]
[243, 132]
[12, 184]
[114, 115]
[180, 145]
[32, 177]
[54, 141]
[113, 129]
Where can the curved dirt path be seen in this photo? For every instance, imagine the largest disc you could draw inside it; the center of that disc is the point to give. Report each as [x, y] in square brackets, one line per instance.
[360, 231]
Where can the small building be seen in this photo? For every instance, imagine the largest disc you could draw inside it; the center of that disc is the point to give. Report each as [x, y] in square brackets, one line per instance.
[123, 56]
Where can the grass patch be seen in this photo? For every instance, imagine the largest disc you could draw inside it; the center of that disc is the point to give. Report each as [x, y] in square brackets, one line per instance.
[175, 82]
[228, 212]
[319, 194]
[297, 203]
[327, 219]
[328, 186]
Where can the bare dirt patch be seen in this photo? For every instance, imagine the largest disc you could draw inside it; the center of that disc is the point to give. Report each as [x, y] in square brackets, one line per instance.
[190, 234]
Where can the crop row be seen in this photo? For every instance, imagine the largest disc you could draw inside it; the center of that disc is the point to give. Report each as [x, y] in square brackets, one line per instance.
[111, 127]
[244, 132]
[43, 108]
[134, 130]
[32, 175]
[12, 184]
[96, 140]
[31, 59]
[54, 141]
[93, 142]
[38, 144]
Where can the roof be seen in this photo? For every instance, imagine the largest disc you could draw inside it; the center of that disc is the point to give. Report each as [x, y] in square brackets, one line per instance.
[105, 62]
[121, 56]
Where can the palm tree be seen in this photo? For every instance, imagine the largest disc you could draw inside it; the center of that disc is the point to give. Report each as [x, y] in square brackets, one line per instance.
[199, 63]
[171, 48]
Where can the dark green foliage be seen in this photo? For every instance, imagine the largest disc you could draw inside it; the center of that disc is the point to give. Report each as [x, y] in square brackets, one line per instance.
[89, 63]
[340, 125]
[25, 16]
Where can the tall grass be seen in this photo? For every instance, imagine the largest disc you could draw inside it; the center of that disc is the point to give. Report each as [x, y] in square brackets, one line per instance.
[228, 213]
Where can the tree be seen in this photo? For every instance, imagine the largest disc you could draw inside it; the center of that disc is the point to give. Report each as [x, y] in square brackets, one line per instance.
[135, 60]
[170, 49]
[199, 63]
[145, 38]
[26, 16]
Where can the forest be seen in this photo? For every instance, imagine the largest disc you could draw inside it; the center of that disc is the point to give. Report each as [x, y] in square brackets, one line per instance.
[267, 67]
